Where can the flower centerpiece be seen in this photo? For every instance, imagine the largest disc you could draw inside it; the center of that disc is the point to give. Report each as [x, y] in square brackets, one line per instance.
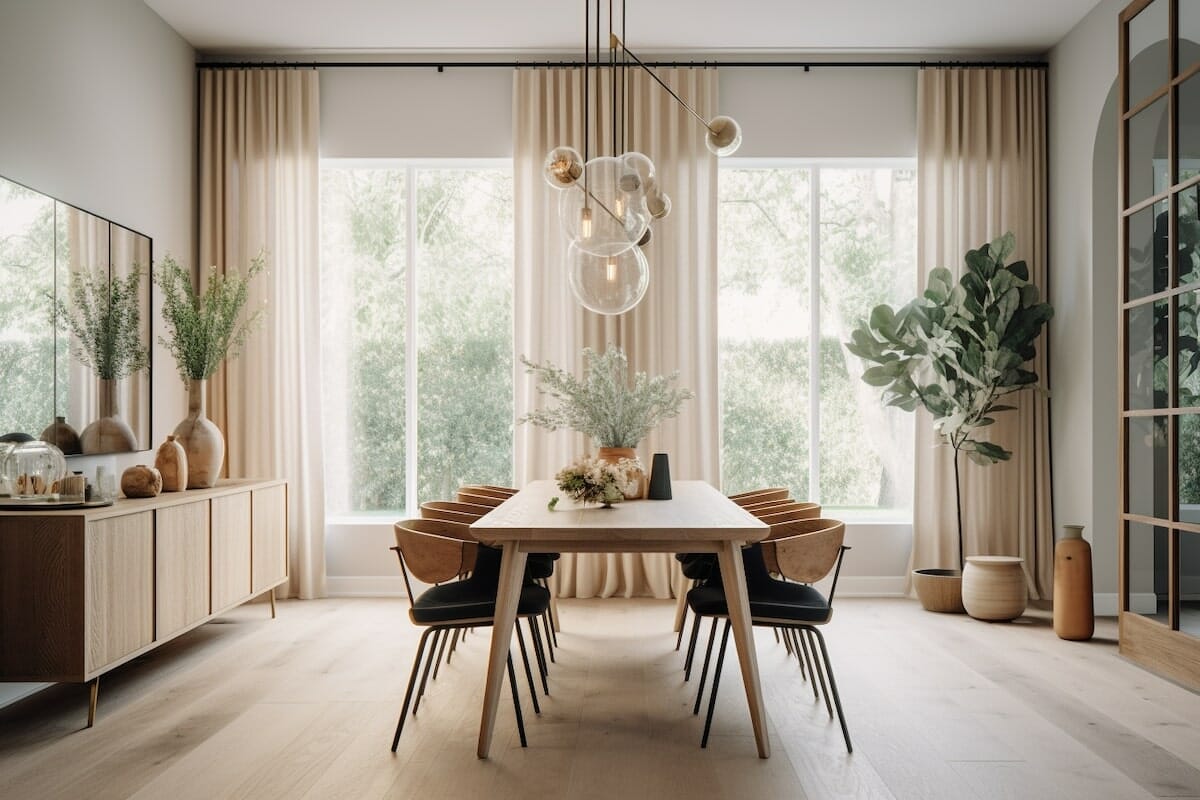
[104, 318]
[615, 413]
[592, 480]
[203, 330]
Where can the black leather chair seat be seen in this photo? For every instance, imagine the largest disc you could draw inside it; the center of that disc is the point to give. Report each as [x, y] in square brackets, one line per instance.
[768, 600]
[460, 600]
[540, 565]
[699, 566]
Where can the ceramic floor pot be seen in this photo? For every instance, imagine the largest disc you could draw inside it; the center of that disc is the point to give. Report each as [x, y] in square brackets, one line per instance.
[1074, 612]
[993, 587]
[939, 590]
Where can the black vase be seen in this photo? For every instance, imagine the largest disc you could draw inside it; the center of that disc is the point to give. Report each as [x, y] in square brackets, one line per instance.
[660, 478]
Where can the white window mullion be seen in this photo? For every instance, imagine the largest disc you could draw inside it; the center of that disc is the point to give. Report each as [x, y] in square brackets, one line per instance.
[410, 343]
[814, 337]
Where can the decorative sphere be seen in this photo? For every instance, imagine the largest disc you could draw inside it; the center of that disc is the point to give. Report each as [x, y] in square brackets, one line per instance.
[617, 218]
[659, 205]
[724, 136]
[562, 167]
[638, 169]
[609, 284]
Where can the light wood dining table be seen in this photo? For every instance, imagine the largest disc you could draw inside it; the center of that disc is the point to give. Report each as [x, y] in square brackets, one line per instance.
[698, 519]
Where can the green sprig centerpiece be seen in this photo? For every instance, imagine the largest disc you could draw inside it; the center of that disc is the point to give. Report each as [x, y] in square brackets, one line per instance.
[206, 328]
[590, 480]
[604, 405]
[104, 318]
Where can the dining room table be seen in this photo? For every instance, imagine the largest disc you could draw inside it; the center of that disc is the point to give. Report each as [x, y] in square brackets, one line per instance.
[697, 519]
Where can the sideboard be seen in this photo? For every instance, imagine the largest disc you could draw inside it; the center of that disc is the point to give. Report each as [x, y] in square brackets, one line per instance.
[83, 591]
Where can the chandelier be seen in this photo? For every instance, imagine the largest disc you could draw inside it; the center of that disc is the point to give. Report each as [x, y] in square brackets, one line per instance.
[608, 202]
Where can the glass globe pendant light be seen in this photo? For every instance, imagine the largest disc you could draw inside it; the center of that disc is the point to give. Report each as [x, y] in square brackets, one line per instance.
[608, 284]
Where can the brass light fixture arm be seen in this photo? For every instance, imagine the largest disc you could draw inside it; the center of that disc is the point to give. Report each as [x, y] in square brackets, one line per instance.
[616, 42]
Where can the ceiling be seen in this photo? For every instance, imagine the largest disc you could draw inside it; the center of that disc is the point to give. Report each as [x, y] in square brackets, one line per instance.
[654, 26]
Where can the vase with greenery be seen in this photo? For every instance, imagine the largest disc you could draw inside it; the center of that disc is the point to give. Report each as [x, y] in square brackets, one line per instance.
[103, 316]
[615, 413]
[958, 350]
[203, 329]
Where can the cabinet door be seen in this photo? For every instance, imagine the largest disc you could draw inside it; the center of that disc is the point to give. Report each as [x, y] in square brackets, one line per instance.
[269, 507]
[230, 550]
[120, 587]
[181, 567]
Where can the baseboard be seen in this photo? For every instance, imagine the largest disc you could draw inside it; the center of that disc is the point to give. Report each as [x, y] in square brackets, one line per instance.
[1107, 604]
[870, 586]
[364, 586]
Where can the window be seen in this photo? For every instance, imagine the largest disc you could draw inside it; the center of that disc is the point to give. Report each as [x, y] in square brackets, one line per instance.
[805, 250]
[416, 319]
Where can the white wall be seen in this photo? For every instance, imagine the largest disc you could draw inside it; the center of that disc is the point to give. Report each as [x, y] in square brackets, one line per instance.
[467, 113]
[97, 108]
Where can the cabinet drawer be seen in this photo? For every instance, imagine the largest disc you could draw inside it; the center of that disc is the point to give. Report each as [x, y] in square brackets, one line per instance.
[269, 534]
[120, 587]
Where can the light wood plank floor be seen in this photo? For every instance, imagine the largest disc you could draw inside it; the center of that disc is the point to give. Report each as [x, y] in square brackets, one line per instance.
[304, 706]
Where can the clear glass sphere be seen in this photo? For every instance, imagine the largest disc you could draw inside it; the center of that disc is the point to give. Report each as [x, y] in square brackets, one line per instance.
[638, 169]
[603, 219]
[608, 284]
[562, 167]
[724, 136]
[659, 205]
[33, 468]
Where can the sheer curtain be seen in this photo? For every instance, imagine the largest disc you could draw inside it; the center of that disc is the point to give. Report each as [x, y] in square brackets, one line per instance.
[259, 173]
[673, 328]
[981, 159]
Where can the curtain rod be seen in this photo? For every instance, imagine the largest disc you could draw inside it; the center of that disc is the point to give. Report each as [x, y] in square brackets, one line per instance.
[443, 65]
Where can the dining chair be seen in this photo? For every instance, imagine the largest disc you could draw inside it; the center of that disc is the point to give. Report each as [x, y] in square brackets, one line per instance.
[760, 495]
[485, 488]
[438, 552]
[807, 551]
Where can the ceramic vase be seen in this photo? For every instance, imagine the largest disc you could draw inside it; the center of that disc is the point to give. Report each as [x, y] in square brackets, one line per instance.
[993, 587]
[171, 462]
[201, 440]
[1074, 614]
[614, 454]
[62, 436]
[109, 433]
[141, 481]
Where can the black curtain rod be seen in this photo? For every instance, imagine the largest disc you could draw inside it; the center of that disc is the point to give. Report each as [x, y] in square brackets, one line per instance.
[442, 65]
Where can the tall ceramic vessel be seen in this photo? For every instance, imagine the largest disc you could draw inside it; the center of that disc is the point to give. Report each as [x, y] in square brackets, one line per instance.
[993, 587]
[109, 433]
[171, 463]
[614, 454]
[1074, 615]
[201, 440]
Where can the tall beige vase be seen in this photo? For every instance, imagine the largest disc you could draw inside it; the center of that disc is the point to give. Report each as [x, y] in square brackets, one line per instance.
[201, 440]
[171, 463]
[1074, 613]
[108, 433]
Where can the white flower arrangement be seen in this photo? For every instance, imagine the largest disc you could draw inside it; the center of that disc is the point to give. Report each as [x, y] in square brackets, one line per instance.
[590, 480]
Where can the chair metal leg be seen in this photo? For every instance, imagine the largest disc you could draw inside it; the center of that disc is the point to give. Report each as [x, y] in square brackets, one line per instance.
[712, 698]
[790, 634]
[528, 672]
[691, 651]
[437, 634]
[552, 612]
[787, 642]
[682, 625]
[412, 681]
[809, 659]
[437, 662]
[453, 644]
[512, 681]
[812, 645]
[712, 637]
[837, 699]
[540, 653]
[548, 639]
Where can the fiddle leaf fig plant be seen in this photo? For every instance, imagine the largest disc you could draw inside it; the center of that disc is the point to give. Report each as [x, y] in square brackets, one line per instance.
[958, 350]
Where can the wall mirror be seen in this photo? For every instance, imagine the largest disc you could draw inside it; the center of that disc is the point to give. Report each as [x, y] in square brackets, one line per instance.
[43, 242]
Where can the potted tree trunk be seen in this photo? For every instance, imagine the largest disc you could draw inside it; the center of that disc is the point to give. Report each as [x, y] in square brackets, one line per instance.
[957, 351]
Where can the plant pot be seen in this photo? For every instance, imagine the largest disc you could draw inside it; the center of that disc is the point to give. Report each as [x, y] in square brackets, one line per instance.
[62, 436]
[1074, 613]
[993, 587]
[109, 433]
[939, 590]
[614, 454]
[201, 440]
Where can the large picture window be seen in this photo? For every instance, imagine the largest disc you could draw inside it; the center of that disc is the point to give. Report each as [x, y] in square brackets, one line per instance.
[416, 319]
[805, 250]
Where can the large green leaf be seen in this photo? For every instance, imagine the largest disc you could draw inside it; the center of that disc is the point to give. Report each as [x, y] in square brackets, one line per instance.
[1003, 246]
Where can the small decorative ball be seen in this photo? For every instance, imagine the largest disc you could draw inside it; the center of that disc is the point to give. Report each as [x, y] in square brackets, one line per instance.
[141, 481]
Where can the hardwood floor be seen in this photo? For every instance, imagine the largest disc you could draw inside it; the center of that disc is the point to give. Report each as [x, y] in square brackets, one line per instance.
[304, 706]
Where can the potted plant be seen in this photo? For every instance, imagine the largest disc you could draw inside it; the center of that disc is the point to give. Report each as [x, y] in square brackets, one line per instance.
[203, 329]
[104, 318]
[956, 351]
[615, 414]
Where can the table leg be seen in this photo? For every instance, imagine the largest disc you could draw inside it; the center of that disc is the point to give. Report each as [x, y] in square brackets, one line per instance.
[508, 593]
[680, 585]
[733, 575]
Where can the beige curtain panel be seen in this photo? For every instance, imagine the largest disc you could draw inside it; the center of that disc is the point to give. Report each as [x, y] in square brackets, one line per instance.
[259, 174]
[981, 159]
[673, 328]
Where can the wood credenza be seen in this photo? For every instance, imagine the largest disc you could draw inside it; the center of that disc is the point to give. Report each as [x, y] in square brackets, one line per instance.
[83, 591]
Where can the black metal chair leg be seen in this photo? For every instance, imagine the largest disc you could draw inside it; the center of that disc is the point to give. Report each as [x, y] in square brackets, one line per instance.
[453, 644]
[548, 639]
[682, 627]
[550, 613]
[528, 672]
[790, 633]
[512, 681]
[712, 698]
[817, 667]
[691, 651]
[437, 633]
[787, 641]
[540, 653]
[712, 637]
[437, 662]
[809, 658]
[412, 681]
[837, 699]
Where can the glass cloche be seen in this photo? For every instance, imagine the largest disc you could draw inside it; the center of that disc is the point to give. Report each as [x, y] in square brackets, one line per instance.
[32, 469]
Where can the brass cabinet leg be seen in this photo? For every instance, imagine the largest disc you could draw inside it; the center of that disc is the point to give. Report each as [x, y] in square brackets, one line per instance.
[271, 594]
[93, 695]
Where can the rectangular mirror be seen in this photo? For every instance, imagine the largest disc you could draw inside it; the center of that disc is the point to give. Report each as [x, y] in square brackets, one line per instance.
[45, 244]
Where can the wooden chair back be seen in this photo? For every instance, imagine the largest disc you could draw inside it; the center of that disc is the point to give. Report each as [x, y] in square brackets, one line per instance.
[759, 496]
[755, 508]
[452, 512]
[484, 488]
[788, 513]
[808, 550]
[434, 551]
[474, 497]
